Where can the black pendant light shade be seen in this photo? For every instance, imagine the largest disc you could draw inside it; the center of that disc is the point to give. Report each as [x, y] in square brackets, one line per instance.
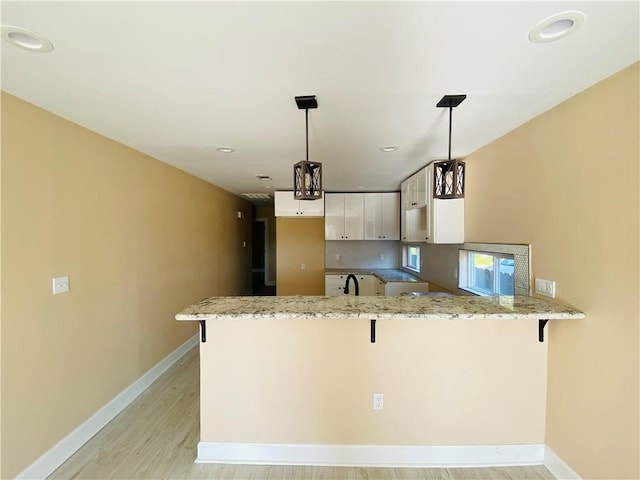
[448, 175]
[307, 176]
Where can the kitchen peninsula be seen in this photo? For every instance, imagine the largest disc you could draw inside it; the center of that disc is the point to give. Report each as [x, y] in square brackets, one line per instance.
[290, 380]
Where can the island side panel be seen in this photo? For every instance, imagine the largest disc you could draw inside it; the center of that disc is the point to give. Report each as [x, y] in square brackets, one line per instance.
[304, 381]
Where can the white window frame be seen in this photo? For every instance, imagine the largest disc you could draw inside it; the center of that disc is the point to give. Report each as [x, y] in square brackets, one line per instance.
[406, 256]
[522, 265]
[470, 284]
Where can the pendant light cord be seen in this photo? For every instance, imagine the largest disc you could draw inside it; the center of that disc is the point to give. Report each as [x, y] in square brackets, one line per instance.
[450, 117]
[306, 121]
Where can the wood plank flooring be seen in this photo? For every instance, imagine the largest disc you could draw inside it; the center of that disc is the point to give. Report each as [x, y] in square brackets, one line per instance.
[156, 437]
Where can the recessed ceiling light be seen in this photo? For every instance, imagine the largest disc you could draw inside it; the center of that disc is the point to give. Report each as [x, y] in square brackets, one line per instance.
[389, 148]
[26, 39]
[225, 149]
[556, 26]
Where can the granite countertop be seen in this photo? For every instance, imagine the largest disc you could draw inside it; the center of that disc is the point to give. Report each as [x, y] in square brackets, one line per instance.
[378, 308]
[384, 274]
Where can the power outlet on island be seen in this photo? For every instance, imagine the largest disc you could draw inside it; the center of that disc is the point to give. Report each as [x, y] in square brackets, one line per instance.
[378, 401]
[546, 287]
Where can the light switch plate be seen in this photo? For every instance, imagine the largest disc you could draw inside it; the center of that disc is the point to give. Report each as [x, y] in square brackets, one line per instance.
[546, 287]
[60, 285]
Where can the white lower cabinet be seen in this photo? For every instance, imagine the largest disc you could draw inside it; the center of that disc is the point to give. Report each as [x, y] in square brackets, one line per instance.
[367, 285]
[334, 285]
[379, 287]
[370, 285]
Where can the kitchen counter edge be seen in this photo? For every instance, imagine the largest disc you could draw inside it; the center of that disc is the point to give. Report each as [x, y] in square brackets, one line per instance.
[378, 308]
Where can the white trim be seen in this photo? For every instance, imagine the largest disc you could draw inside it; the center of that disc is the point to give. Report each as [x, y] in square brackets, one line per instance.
[59, 453]
[558, 467]
[370, 455]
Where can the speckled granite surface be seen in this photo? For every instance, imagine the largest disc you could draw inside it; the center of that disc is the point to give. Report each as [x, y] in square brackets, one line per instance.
[378, 308]
[384, 274]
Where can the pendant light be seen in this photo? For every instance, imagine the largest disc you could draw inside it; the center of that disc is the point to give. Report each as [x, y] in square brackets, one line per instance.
[448, 175]
[307, 176]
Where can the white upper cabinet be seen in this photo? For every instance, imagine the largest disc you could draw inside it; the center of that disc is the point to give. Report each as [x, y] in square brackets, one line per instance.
[344, 216]
[437, 221]
[382, 216]
[287, 206]
[445, 217]
[415, 190]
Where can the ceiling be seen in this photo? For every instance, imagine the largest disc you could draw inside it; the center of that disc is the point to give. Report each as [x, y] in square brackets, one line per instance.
[177, 80]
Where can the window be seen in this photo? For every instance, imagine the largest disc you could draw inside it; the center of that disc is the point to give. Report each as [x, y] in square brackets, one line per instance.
[411, 257]
[489, 274]
[495, 268]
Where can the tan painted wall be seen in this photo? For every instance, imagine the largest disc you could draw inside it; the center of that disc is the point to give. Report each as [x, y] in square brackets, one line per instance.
[445, 382]
[298, 241]
[1, 98]
[140, 241]
[567, 182]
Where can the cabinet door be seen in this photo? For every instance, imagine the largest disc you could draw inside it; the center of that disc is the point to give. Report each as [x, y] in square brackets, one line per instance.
[285, 205]
[421, 187]
[312, 208]
[390, 216]
[428, 234]
[366, 285]
[405, 194]
[334, 285]
[373, 216]
[447, 220]
[353, 216]
[334, 216]
[416, 225]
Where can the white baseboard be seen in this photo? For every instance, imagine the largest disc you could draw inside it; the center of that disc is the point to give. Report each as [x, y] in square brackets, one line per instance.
[66, 447]
[370, 455]
[558, 467]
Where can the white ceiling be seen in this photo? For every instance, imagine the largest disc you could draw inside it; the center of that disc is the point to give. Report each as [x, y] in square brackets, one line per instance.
[176, 79]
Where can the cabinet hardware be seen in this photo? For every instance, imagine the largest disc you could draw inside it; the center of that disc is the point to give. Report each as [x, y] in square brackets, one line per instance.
[373, 331]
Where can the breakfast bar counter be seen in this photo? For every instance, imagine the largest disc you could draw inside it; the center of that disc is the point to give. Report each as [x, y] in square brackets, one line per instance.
[378, 308]
[387, 381]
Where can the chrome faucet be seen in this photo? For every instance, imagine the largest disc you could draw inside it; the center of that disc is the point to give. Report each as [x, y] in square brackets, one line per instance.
[346, 285]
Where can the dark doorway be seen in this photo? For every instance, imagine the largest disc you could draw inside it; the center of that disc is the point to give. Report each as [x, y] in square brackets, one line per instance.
[259, 261]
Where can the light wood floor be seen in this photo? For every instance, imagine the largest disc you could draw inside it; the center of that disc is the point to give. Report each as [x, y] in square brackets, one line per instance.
[156, 438]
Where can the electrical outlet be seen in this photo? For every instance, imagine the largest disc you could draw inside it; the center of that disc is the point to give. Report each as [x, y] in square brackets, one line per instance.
[302, 266]
[60, 285]
[378, 401]
[546, 287]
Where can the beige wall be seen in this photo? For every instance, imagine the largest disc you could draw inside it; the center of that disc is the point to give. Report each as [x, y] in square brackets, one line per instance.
[445, 382]
[300, 241]
[140, 241]
[567, 183]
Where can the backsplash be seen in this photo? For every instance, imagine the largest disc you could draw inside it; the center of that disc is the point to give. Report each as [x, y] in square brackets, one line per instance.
[362, 254]
[440, 264]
